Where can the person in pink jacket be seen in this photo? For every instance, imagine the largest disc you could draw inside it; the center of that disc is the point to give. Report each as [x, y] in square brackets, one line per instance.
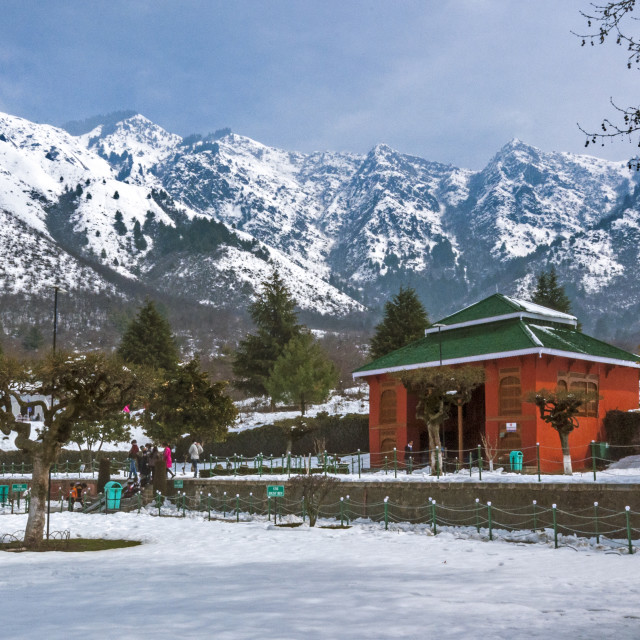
[167, 459]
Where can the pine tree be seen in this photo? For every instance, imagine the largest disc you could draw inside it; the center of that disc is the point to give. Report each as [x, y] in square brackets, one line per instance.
[139, 240]
[148, 340]
[32, 339]
[404, 321]
[273, 313]
[549, 293]
[303, 373]
[119, 225]
[187, 402]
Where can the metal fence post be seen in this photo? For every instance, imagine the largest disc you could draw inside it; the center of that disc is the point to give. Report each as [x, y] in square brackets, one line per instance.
[386, 513]
[395, 462]
[593, 458]
[433, 517]
[237, 507]
[627, 509]
[538, 459]
[555, 526]
[478, 515]
[479, 462]
[359, 465]
[595, 510]
[490, 523]
[535, 523]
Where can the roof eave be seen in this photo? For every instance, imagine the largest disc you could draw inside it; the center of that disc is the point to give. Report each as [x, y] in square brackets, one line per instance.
[507, 316]
[497, 356]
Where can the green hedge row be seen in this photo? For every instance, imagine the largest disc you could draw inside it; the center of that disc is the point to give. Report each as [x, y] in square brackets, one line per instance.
[623, 430]
[335, 434]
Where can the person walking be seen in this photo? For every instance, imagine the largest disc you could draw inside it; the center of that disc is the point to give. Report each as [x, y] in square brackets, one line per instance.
[167, 459]
[133, 460]
[408, 453]
[195, 451]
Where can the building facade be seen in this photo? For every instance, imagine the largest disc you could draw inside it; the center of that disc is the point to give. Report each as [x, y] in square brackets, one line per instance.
[521, 347]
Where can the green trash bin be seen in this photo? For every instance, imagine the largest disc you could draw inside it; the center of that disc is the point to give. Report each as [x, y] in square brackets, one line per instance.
[112, 495]
[4, 494]
[602, 451]
[515, 459]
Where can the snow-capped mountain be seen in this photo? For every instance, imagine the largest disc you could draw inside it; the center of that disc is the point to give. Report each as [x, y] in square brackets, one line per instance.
[207, 218]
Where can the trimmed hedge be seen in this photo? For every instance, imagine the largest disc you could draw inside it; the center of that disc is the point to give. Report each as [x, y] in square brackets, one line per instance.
[623, 430]
[340, 434]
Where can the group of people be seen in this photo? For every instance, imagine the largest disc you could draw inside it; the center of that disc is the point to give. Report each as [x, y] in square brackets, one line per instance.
[143, 460]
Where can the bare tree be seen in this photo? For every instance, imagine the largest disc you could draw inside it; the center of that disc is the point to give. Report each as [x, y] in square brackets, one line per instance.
[559, 409]
[612, 20]
[314, 489]
[436, 388]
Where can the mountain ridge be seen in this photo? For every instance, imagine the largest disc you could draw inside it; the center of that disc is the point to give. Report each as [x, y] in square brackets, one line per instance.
[345, 229]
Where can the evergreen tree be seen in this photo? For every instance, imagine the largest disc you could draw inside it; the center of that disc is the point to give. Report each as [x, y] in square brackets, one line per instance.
[303, 373]
[404, 321]
[32, 339]
[273, 313]
[187, 402]
[119, 225]
[116, 195]
[549, 293]
[148, 340]
[139, 240]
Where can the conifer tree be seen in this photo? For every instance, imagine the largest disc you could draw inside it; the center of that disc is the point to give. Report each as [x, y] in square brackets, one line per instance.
[187, 402]
[273, 313]
[148, 340]
[119, 225]
[303, 373]
[139, 240]
[404, 321]
[549, 293]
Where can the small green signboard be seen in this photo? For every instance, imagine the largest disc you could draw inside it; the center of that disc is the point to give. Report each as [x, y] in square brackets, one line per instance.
[178, 484]
[16, 488]
[275, 491]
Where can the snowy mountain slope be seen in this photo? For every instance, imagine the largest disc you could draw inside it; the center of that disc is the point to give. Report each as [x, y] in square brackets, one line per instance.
[525, 198]
[32, 262]
[207, 218]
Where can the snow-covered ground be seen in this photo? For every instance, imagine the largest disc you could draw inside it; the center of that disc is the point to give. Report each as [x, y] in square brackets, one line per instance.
[198, 579]
[252, 414]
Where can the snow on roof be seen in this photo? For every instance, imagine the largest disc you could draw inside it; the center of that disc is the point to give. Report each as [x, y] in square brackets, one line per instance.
[539, 309]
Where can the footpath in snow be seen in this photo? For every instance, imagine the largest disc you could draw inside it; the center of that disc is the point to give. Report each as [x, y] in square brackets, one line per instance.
[194, 578]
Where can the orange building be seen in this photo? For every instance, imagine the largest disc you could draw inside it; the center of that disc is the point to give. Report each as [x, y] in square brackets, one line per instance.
[522, 347]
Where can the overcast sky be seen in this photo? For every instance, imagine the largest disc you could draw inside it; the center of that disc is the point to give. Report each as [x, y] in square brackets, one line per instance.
[448, 80]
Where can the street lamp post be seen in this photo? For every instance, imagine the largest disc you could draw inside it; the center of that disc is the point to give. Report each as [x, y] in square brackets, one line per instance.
[56, 289]
[440, 325]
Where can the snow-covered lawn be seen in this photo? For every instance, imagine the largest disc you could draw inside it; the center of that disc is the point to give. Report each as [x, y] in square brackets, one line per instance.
[198, 579]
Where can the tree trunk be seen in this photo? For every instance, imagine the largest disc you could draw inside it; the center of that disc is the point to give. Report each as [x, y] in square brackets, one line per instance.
[433, 429]
[566, 454]
[37, 510]
[303, 406]
[160, 477]
[104, 473]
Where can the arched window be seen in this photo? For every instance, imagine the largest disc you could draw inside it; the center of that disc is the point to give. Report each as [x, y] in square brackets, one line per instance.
[510, 396]
[388, 407]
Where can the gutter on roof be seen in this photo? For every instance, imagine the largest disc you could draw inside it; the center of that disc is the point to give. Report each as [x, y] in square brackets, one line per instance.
[496, 356]
[507, 316]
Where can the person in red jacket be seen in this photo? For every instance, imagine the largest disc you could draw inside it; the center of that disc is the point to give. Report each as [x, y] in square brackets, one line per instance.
[167, 459]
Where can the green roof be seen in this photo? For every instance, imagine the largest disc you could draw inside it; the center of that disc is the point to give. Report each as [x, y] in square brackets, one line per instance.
[479, 341]
[500, 305]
